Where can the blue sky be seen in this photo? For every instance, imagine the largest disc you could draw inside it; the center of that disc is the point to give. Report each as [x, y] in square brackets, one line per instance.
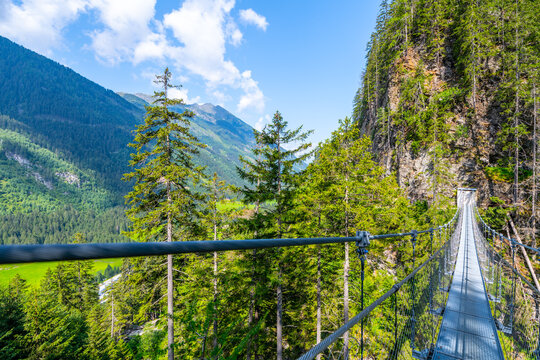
[303, 58]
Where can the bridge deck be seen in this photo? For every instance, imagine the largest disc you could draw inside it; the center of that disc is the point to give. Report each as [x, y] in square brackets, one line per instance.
[468, 330]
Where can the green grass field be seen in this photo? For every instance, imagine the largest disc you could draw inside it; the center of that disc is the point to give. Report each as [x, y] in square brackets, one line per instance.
[34, 272]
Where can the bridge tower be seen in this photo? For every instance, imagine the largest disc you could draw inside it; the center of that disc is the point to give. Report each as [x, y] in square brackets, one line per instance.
[466, 196]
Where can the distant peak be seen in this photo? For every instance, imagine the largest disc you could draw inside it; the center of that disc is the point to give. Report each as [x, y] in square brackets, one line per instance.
[209, 108]
[148, 98]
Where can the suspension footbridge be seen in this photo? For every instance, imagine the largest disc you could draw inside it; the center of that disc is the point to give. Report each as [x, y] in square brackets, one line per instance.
[461, 296]
[468, 329]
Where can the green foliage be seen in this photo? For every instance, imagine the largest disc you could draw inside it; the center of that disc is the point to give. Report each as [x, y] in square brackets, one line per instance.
[272, 175]
[495, 214]
[59, 226]
[506, 174]
[108, 273]
[226, 136]
[12, 299]
[52, 329]
[36, 179]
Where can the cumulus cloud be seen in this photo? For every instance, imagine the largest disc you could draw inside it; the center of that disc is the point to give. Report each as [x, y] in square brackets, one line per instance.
[263, 120]
[126, 30]
[253, 96]
[38, 24]
[204, 27]
[182, 94]
[251, 17]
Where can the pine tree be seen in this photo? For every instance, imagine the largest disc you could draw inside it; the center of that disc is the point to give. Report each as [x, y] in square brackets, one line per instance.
[274, 174]
[163, 197]
[12, 319]
[216, 192]
[53, 331]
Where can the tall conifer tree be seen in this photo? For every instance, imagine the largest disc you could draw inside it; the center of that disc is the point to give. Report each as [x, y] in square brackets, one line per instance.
[163, 197]
[274, 176]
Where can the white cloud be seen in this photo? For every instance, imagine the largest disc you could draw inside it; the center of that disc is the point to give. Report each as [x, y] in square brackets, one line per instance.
[233, 34]
[182, 94]
[263, 120]
[204, 27]
[38, 24]
[253, 96]
[251, 17]
[126, 33]
[219, 97]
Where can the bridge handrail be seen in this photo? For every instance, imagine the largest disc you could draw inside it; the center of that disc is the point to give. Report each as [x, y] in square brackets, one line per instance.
[510, 240]
[326, 342]
[10, 254]
[505, 262]
[320, 347]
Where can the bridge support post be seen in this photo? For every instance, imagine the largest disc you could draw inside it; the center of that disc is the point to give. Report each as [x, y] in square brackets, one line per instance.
[513, 303]
[361, 249]
[536, 352]
[414, 235]
[431, 280]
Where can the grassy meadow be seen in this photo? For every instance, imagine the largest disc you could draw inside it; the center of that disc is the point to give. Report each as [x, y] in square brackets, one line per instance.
[34, 272]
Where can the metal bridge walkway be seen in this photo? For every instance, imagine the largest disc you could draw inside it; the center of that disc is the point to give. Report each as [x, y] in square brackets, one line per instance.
[468, 330]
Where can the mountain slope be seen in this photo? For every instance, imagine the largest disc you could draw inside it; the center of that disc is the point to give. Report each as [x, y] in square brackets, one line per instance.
[36, 179]
[63, 150]
[61, 110]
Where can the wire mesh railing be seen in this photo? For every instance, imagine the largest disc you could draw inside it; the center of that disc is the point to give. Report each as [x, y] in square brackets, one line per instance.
[515, 301]
[404, 322]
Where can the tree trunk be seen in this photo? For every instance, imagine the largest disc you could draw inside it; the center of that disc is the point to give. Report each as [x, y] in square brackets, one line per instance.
[346, 274]
[170, 324]
[253, 314]
[279, 320]
[279, 325]
[346, 301]
[215, 302]
[525, 256]
[534, 170]
[112, 310]
[516, 120]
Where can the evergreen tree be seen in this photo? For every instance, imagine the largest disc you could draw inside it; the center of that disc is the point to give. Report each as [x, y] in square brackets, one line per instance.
[274, 176]
[216, 191]
[163, 197]
[53, 331]
[12, 319]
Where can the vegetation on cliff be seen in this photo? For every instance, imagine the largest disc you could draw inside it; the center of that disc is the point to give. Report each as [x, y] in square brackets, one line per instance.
[450, 96]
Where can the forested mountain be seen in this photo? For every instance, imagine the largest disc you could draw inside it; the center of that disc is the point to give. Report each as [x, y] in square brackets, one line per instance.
[91, 126]
[63, 148]
[450, 97]
[65, 112]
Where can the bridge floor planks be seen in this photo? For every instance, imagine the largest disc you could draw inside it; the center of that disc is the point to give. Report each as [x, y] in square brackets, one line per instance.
[468, 330]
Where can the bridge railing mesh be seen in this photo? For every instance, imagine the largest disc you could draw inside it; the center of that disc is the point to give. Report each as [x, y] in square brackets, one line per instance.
[514, 300]
[404, 322]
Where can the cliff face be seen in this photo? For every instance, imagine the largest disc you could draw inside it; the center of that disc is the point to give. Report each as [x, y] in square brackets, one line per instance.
[448, 94]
